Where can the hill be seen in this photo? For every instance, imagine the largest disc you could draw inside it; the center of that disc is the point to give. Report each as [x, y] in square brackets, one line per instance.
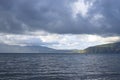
[106, 48]
[4, 48]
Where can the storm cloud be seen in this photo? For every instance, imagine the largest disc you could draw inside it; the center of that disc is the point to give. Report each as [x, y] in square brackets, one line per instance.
[60, 16]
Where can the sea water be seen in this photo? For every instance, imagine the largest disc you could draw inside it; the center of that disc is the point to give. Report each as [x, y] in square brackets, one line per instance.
[59, 66]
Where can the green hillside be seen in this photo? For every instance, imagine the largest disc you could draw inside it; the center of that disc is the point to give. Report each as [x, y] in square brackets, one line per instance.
[106, 48]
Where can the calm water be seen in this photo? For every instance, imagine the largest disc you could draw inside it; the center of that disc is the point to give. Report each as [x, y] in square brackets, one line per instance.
[59, 66]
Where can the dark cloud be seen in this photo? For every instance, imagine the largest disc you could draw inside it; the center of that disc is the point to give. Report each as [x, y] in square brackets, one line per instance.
[56, 16]
[9, 24]
[110, 11]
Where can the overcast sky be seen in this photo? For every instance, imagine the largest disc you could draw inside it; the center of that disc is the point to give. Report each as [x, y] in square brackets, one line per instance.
[59, 24]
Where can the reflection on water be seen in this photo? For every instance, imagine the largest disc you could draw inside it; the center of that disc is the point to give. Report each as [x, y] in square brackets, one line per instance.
[59, 66]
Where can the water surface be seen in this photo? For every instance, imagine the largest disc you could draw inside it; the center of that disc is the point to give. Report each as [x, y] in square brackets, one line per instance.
[59, 66]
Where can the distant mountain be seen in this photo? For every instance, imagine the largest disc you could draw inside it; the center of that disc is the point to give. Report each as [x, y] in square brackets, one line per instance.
[29, 49]
[106, 48]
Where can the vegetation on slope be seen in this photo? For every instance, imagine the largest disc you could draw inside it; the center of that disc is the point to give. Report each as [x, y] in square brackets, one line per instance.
[106, 48]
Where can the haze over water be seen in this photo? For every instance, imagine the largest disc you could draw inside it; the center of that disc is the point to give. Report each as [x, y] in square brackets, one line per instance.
[59, 67]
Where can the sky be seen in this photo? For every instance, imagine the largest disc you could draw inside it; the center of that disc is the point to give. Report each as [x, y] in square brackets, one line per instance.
[59, 24]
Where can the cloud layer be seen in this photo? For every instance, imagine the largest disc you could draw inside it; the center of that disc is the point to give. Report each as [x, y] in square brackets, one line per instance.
[60, 24]
[60, 16]
[56, 41]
